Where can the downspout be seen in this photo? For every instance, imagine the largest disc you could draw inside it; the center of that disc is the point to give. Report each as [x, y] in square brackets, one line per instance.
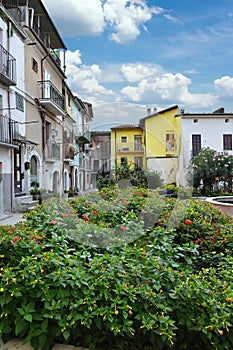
[42, 115]
[42, 73]
[115, 155]
[10, 124]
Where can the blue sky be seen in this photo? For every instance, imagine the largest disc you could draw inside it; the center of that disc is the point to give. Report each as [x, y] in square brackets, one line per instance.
[127, 56]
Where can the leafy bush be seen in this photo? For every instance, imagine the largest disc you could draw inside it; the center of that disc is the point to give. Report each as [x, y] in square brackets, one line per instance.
[69, 276]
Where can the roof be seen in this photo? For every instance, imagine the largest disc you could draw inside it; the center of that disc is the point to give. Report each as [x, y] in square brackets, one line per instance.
[45, 22]
[159, 112]
[126, 126]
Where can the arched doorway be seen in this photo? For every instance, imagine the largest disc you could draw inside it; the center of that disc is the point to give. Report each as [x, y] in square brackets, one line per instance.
[34, 173]
[56, 182]
[66, 181]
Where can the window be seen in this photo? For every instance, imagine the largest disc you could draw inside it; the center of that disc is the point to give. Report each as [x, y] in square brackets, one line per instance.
[19, 101]
[227, 120]
[69, 101]
[34, 65]
[196, 144]
[47, 131]
[195, 120]
[137, 142]
[96, 165]
[227, 142]
[124, 160]
[123, 139]
[138, 161]
[170, 142]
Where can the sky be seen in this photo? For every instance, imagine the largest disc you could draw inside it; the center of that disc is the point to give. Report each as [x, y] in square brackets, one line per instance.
[124, 57]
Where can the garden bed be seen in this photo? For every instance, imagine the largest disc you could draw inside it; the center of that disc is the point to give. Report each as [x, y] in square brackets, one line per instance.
[119, 271]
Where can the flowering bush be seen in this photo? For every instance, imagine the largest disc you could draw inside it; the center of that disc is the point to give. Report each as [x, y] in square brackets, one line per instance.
[66, 277]
[212, 172]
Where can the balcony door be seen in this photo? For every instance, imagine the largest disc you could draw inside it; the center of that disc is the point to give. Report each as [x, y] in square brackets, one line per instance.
[17, 170]
[46, 86]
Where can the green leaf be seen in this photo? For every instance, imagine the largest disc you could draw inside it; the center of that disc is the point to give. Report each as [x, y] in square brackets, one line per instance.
[20, 326]
[30, 307]
[28, 317]
[66, 334]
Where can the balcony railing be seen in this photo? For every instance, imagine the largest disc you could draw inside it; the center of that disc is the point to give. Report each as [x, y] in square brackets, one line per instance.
[9, 131]
[21, 15]
[47, 44]
[52, 151]
[7, 67]
[51, 98]
[82, 134]
[68, 152]
[129, 147]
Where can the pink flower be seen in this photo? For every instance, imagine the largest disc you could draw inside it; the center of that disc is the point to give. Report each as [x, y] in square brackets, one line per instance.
[52, 222]
[123, 228]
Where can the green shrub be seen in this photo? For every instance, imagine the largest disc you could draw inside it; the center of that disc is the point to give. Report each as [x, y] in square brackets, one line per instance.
[66, 278]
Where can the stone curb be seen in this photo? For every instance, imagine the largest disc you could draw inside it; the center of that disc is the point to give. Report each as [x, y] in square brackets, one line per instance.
[17, 344]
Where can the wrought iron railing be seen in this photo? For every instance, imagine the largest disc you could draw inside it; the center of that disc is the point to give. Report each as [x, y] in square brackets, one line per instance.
[50, 92]
[43, 38]
[7, 64]
[52, 150]
[81, 131]
[9, 130]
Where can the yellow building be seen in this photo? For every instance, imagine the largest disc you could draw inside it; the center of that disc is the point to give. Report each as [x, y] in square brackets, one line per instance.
[162, 132]
[127, 145]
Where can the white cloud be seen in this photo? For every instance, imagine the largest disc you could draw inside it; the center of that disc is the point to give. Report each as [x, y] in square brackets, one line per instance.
[123, 18]
[126, 18]
[83, 79]
[135, 72]
[166, 88]
[73, 18]
[224, 86]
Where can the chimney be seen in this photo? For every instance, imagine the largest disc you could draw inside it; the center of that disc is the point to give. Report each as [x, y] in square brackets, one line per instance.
[148, 111]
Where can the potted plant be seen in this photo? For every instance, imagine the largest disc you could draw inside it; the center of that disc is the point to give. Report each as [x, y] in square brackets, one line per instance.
[35, 191]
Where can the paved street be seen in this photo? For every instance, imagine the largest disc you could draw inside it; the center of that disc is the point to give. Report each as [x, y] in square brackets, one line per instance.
[11, 219]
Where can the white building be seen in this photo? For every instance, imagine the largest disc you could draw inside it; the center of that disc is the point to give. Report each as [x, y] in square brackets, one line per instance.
[202, 130]
[12, 111]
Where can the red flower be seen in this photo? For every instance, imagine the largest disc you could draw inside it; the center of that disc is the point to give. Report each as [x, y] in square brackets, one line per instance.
[16, 239]
[188, 222]
[94, 212]
[123, 228]
[86, 218]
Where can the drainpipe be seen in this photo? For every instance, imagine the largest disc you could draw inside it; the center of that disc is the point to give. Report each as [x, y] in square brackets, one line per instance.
[42, 72]
[42, 115]
[10, 124]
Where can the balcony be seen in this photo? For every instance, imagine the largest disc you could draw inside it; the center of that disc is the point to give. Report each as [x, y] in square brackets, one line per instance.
[52, 152]
[31, 13]
[68, 153]
[9, 132]
[7, 68]
[51, 99]
[82, 134]
[54, 53]
[129, 147]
